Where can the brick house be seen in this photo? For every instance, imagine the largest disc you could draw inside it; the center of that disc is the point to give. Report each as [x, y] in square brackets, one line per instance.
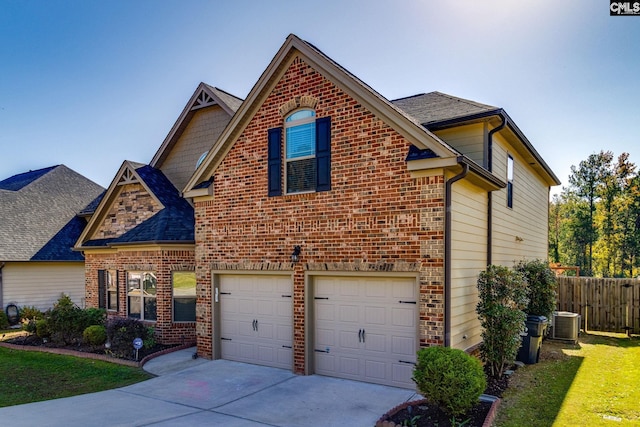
[336, 232]
[138, 243]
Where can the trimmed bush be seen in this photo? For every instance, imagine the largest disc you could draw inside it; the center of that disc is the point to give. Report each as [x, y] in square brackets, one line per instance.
[541, 287]
[121, 331]
[502, 295]
[41, 328]
[95, 335]
[449, 378]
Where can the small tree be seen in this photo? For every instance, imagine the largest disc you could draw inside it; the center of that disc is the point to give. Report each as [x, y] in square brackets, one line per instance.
[541, 287]
[502, 297]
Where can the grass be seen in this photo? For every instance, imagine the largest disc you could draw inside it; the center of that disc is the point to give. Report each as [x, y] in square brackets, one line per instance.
[593, 383]
[29, 376]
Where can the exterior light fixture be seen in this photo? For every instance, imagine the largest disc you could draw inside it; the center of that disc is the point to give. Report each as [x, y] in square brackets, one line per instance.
[295, 255]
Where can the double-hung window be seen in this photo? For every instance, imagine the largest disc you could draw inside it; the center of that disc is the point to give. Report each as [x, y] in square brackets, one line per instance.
[141, 295]
[301, 161]
[184, 296]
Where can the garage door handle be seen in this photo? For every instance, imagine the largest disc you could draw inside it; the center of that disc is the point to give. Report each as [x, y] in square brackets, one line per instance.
[286, 296]
[321, 351]
[359, 335]
[406, 361]
[363, 336]
[286, 346]
[225, 293]
[407, 302]
[321, 298]
[225, 339]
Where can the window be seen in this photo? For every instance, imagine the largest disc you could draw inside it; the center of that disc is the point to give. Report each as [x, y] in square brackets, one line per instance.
[108, 289]
[184, 296]
[307, 154]
[141, 295]
[300, 152]
[509, 181]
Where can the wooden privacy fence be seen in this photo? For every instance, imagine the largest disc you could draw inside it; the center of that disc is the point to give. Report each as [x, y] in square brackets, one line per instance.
[608, 305]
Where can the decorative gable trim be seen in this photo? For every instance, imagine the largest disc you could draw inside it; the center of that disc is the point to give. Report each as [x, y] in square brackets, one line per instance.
[203, 100]
[128, 177]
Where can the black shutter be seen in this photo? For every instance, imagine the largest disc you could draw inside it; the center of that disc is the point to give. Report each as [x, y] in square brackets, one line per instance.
[323, 154]
[274, 155]
[117, 279]
[102, 289]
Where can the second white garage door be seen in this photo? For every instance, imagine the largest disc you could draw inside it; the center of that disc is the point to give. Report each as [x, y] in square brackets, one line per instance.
[256, 319]
[366, 329]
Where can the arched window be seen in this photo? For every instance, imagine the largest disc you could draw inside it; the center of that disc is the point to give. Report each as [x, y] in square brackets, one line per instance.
[300, 151]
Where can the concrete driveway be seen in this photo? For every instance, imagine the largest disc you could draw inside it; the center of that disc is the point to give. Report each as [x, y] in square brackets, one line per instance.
[201, 392]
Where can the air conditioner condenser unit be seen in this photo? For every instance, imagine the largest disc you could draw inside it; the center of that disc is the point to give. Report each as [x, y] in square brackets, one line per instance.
[565, 326]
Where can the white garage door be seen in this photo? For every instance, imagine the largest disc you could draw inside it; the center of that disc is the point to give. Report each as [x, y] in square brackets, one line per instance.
[366, 329]
[256, 319]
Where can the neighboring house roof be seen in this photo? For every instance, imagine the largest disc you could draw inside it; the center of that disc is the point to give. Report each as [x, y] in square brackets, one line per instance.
[204, 96]
[38, 214]
[174, 223]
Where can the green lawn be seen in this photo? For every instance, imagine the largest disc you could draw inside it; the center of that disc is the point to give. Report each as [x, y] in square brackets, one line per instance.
[28, 376]
[594, 383]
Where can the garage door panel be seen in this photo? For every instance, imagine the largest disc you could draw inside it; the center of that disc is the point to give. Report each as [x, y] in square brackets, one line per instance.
[376, 342]
[381, 308]
[403, 316]
[348, 313]
[375, 315]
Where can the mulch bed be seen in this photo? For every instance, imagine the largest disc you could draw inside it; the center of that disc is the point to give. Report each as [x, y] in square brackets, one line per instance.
[32, 342]
[425, 414]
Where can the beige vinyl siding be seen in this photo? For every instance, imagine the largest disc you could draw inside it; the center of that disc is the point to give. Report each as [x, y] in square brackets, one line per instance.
[203, 130]
[40, 284]
[520, 232]
[468, 259]
[468, 140]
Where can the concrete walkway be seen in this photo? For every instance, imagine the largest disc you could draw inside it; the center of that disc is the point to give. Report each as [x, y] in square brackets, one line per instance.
[201, 392]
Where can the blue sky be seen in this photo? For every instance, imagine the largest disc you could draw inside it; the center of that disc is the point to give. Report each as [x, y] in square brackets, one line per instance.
[91, 83]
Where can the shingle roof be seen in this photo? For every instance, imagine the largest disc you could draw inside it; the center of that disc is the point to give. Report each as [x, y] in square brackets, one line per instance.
[18, 182]
[174, 223]
[37, 213]
[232, 101]
[435, 107]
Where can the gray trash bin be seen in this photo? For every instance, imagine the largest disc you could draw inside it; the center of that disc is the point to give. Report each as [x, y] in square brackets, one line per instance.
[529, 352]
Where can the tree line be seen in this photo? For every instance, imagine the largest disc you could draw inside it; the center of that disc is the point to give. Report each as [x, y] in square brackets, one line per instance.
[594, 223]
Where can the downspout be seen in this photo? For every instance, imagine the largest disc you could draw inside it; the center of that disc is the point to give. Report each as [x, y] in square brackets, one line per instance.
[447, 250]
[490, 194]
[1, 289]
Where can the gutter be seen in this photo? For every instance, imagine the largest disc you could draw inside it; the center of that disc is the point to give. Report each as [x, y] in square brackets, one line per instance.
[498, 128]
[447, 249]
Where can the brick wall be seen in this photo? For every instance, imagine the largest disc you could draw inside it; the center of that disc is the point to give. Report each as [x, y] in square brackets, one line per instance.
[162, 263]
[375, 218]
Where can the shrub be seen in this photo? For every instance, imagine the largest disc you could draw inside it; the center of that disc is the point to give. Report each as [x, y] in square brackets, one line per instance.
[541, 287]
[502, 297]
[449, 378]
[28, 313]
[121, 331]
[95, 335]
[41, 327]
[4, 320]
[67, 322]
